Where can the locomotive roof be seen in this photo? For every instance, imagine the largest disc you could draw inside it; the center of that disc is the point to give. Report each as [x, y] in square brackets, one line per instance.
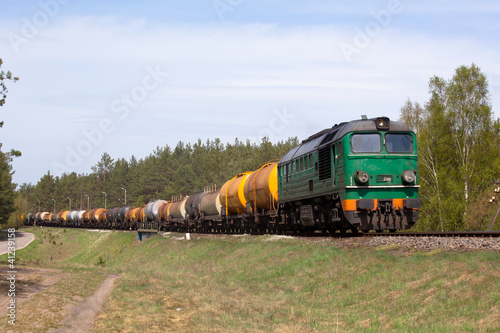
[333, 134]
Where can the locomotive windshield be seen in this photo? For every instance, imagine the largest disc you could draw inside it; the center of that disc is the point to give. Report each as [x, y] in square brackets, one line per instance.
[366, 143]
[399, 143]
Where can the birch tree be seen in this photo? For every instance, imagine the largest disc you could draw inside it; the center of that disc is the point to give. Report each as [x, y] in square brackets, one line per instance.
[458, 146]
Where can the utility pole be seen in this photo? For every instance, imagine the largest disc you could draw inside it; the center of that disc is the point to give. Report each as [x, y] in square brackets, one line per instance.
[125, 195]
[105, 197]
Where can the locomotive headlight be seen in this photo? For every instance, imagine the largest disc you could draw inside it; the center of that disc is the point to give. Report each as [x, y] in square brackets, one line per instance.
[383, 123]
[361, 177]
[408, 177]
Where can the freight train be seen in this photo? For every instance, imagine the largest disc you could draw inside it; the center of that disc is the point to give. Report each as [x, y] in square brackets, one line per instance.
[357, 175]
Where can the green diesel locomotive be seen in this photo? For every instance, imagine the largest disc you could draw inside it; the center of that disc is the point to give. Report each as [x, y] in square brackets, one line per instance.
[359, 175]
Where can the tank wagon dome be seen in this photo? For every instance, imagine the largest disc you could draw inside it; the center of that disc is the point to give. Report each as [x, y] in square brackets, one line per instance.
[338, 131]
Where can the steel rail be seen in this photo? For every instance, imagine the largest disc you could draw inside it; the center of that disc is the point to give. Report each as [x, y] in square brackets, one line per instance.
[481, 234]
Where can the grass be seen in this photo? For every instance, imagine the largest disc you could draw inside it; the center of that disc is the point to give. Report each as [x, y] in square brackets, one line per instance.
[47, 308]
[255, 284]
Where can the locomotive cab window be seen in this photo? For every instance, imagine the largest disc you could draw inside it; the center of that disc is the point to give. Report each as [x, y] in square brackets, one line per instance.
[366, 143]
[398, 143]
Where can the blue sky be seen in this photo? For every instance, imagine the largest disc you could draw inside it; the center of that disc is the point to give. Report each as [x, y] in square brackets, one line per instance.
[124, 77]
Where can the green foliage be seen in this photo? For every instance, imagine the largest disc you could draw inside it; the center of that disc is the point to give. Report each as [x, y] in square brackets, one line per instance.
[458, 148]
[4, 76]
[103, 168]
[7, 188]
[101, 261]
[186, 169]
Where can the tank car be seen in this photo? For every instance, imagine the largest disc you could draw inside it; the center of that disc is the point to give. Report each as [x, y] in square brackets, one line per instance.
[121, 217]
[151, 211]
[261, 193]
[233, 196]
[176, 214]
[210, 210]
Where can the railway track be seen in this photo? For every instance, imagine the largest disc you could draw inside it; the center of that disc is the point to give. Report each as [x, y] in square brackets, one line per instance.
[481, 234]
[465, 234]
[424, 241]
[470, 234]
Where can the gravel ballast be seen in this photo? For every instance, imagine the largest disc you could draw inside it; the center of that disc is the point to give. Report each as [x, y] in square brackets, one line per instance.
[424, 243]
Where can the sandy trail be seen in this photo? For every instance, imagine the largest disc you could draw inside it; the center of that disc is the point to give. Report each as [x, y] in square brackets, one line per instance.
[81, 319]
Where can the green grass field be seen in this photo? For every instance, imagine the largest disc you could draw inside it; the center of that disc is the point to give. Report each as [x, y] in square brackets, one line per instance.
[261, 284]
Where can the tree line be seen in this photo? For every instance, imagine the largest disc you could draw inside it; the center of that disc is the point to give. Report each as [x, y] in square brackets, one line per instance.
[167, 172]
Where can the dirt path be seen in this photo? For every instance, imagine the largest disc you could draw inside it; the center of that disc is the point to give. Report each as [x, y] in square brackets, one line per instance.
[81, 319]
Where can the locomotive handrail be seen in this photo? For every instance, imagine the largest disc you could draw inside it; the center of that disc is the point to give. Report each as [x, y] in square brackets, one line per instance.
[381, 186]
